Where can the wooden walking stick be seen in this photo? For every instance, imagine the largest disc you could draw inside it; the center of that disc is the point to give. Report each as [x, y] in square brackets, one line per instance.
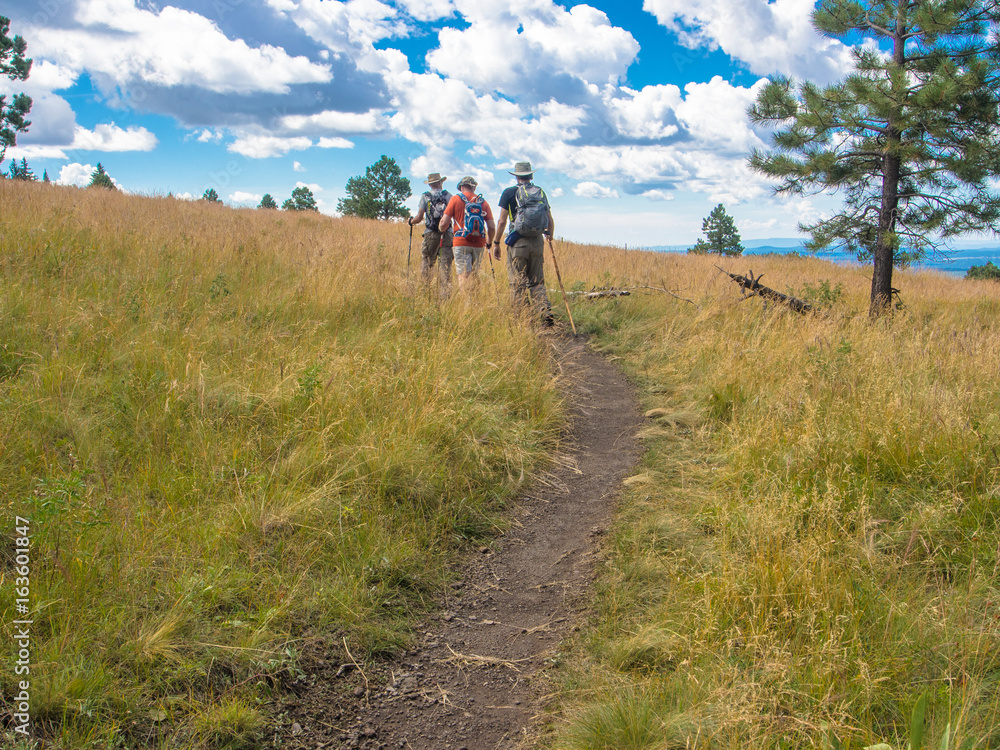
[561, 287]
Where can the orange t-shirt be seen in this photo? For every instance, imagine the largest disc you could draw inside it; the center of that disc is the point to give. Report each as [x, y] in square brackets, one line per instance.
[456, 211]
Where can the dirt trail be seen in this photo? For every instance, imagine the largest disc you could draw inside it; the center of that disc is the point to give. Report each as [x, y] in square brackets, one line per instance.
[469, 682]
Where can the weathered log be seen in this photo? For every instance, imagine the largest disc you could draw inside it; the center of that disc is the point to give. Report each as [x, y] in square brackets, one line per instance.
[598, 293]
[751, 287]
[601, 293]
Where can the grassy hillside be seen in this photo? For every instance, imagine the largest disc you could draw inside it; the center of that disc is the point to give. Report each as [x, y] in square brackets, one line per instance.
[236, 433]
[233, 433]
[812, 544]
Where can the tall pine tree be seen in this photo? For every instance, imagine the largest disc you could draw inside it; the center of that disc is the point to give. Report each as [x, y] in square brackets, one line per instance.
[910, 138]
[302, 200]
[15, 66]
[379, 194]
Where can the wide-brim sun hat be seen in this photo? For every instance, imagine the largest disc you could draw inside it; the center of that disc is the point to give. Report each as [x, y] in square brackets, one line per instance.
[522, 169]
[470, 181]
[434, 177]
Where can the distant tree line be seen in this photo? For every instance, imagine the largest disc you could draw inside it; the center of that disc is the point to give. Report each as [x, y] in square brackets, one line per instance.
[302, 200]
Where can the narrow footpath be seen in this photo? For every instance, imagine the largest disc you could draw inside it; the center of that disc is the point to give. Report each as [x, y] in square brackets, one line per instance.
[471, 680]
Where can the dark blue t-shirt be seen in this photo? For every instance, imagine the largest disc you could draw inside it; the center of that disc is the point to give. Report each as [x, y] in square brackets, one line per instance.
[507, 202]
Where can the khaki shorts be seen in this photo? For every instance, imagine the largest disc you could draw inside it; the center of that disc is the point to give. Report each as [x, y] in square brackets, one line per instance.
[467, 259]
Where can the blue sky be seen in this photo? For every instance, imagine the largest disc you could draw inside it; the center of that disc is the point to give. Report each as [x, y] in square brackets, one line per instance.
[633, 113]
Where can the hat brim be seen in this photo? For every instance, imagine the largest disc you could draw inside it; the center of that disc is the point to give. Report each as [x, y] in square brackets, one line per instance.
[523, 174]
[428, 182]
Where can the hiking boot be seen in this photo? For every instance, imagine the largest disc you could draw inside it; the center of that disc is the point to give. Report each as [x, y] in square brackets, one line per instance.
[548, 320]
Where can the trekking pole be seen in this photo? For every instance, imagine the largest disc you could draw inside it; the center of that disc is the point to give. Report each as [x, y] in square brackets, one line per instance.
[444, 279]
[561, 287]
[489, 251]
[408, 249]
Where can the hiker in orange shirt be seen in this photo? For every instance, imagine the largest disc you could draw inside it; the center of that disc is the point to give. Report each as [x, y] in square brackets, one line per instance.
[474, 228]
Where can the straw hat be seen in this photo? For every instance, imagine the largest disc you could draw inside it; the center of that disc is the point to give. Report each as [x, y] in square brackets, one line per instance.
[522, 169]
[434, 177]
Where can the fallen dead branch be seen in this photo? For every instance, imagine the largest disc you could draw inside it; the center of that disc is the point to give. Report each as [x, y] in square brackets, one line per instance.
[751, 287]
[599, 293]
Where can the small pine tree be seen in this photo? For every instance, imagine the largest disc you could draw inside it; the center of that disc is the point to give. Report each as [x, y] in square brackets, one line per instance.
[100, 178]
[723, 237]
[267, 202]
[45, 176]
[21, 171]
[211, 196]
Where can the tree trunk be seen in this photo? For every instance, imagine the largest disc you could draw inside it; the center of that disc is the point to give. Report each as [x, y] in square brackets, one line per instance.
[883, 255]
[882, 261]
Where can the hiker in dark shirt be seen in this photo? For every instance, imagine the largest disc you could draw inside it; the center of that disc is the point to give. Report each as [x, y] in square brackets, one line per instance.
[531, 222]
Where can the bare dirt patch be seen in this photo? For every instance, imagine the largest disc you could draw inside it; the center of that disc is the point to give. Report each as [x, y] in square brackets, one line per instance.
[472, 680]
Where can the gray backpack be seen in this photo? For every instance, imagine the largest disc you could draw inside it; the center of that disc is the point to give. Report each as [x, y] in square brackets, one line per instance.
[532, 216]
[437, 202]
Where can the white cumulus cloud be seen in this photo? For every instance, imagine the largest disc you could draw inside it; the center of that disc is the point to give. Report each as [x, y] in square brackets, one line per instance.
[242, 197]
[594, 190]
[770, 37]
[519, 47]
[334, 143]
[75, 174]
[331, 121]
[647, 113]
[110, 137]
[167, 47]
[260, 146]
[657, 195]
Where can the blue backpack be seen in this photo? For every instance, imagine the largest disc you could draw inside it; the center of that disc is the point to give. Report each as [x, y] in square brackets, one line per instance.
[475, 218]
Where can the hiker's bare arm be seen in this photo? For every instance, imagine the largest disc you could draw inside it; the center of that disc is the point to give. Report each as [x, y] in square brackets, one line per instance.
[501, 225]
[490, 232]
[444, 223]
[551, 230]
[418, 218]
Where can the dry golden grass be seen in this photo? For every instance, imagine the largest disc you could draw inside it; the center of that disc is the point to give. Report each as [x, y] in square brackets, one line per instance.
[235, 431]
[818, 546]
